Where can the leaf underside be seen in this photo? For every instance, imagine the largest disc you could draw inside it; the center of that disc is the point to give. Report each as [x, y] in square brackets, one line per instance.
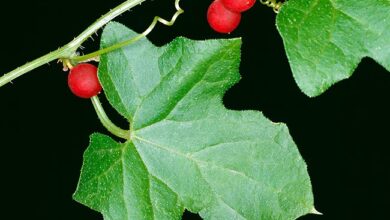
[325, 40]
[186, 150]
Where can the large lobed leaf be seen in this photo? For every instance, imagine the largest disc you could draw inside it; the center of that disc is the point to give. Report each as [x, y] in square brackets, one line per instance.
[186, 150]
[326, 39]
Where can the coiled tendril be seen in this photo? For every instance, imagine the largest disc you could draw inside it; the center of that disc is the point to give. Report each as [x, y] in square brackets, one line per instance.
[274, 4]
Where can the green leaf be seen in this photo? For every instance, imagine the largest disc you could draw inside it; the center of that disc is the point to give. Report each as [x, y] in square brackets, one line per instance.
[115, 181]
[186, 150]
[326, 39]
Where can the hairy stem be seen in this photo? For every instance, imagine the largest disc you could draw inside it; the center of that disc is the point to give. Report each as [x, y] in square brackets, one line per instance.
[6, 78]
[113, 13]
[111, 127]
[69, 49]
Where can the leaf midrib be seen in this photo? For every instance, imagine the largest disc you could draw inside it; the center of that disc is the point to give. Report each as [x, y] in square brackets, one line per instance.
[197, 161]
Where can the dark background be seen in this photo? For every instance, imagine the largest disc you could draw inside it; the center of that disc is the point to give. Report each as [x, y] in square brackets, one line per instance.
[343, 134]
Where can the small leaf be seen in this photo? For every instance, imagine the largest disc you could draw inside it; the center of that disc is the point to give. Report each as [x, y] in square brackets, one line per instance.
[186, 149]
[326, 39]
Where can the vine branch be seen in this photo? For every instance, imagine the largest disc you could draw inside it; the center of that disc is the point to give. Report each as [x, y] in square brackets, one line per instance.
[67, 52]
[69, 49]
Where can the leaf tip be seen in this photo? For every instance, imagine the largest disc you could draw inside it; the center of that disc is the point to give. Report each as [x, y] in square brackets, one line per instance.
[311, 90]
[315, 212]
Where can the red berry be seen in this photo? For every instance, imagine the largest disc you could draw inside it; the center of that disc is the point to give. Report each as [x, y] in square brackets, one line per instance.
[221, 19]
[238, 5]
[83, 80]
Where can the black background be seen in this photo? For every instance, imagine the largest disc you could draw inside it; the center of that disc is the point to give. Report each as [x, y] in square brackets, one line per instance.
[343, 134]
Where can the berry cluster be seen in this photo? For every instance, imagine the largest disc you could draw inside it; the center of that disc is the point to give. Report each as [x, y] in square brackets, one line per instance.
[224, 16]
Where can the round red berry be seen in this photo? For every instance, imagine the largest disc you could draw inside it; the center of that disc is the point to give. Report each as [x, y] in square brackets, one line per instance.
[221, 19]
[83, 80]
[238, 5]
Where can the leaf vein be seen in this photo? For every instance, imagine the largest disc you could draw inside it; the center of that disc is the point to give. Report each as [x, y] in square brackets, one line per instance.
[125, 198]
[209, 62]
[197, 162]
[219, 197]
[208, 147]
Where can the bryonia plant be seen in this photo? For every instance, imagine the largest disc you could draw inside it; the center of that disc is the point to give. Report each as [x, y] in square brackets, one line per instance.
[182, 148]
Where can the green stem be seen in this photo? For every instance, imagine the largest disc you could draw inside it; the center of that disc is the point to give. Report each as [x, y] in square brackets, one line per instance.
[69, 49]
[6, 78]
[135, 39]
[111, 127]
[113, 13]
